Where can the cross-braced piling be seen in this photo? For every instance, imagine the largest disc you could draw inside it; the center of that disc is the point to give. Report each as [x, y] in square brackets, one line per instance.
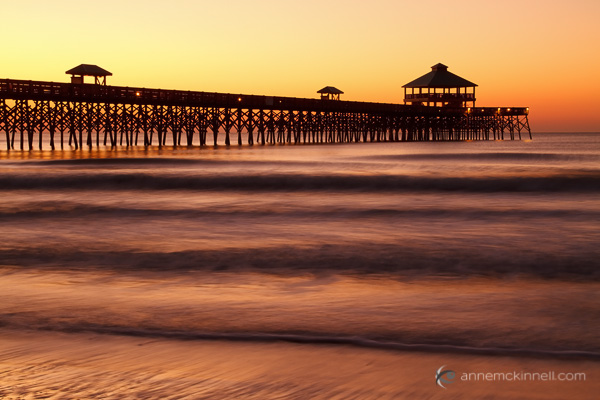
[35, 114]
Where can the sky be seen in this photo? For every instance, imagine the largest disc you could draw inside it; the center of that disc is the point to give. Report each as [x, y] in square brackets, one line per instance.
[541, 54]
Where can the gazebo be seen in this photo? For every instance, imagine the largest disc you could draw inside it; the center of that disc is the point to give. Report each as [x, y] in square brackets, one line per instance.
[82, 70]
[330, 93]
[440, 88]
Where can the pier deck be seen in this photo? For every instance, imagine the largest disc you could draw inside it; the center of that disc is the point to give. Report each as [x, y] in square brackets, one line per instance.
[37, 114]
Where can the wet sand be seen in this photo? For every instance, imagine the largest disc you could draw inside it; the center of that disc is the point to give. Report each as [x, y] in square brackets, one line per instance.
[47, 365]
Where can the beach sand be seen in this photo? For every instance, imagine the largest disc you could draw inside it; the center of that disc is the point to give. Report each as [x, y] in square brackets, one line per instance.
[49, 365]
[98, 336]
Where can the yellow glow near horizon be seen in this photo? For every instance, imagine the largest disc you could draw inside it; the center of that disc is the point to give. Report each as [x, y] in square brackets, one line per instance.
[534, 53]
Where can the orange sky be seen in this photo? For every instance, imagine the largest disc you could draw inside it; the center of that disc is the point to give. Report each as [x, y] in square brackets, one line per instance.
[537, 53]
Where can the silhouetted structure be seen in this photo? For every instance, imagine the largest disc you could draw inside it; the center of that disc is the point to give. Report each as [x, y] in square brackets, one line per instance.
[440, 87]
[330, 93]
[82, 70]
[111, 115]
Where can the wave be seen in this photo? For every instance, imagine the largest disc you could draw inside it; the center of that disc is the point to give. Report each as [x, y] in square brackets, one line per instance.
[120, 161]
[62, 210]
[394, 260]
[580, 181]
[508, 156]
[309, 339]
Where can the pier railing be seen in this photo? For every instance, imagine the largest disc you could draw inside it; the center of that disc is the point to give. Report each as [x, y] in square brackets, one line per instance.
[36, 109]
[36, 90]
[440, 96]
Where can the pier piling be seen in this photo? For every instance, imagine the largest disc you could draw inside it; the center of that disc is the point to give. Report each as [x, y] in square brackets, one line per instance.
[41, 110]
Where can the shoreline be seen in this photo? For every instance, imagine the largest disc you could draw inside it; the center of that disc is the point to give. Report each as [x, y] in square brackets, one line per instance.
[323, 310]
[81, 365]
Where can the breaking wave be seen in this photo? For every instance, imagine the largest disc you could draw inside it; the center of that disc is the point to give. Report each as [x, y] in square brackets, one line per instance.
[581, 181]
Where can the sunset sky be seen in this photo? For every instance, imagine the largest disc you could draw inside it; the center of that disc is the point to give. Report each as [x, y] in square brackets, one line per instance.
[543, 54]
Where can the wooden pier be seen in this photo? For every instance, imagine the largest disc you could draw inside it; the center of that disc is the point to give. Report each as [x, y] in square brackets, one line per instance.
[35, 114]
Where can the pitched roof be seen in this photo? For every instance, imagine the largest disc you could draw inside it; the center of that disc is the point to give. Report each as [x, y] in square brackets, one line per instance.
[330, 90]
[88, 70]
[439, 77]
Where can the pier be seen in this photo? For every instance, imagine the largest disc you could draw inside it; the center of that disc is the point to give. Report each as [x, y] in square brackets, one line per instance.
[38, 114]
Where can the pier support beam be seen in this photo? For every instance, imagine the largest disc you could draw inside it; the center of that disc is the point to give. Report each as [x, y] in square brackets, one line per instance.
[45, 109]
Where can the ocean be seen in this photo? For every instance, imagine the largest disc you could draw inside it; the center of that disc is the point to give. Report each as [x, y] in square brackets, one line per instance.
[300, 271]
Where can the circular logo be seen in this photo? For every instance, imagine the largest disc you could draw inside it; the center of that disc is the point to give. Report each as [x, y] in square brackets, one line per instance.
[443, 376]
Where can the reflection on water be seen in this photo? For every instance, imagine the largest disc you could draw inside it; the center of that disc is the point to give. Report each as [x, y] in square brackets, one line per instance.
[471, 249]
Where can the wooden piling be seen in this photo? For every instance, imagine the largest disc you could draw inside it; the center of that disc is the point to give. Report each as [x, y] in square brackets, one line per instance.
[119, 114]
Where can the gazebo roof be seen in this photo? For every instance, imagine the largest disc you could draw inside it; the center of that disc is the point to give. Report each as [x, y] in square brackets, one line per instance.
[330, 90]
[439, 77]
[88, 70]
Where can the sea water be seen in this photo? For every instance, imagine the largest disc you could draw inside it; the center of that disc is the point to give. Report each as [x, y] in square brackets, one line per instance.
[486, 248]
